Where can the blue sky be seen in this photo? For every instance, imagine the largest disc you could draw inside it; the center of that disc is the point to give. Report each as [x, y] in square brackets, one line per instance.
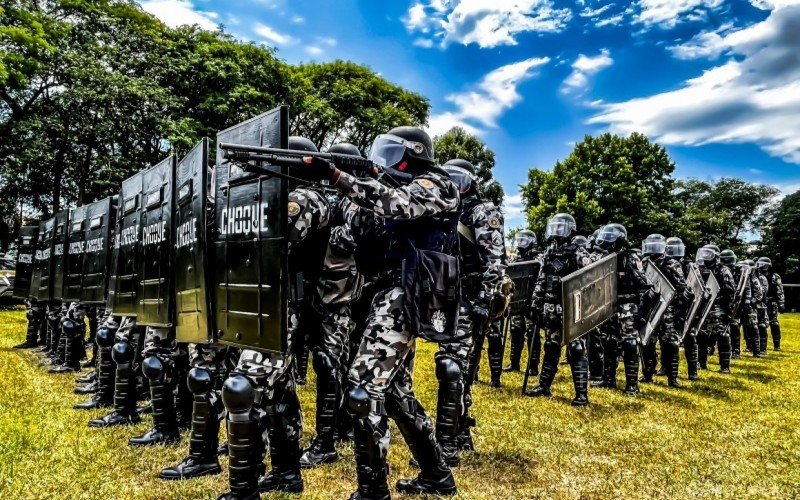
[717, 82]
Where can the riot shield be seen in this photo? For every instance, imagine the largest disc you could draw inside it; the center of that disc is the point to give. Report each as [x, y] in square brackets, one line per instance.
[23, 272]
[60, 234]
[589, 297]
[192, 272]
[250, 249]
[73, 260]
[666, 292]
[124, 285]
[156, 293]
[741, 286]
[41, 282]
[695, 283]
[524, 275]
[713, 286]
[100, 219]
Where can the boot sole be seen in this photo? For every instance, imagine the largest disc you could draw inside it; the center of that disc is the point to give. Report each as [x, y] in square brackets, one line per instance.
[325, 461]
[209, 472]
[284, 489]
[447, 491]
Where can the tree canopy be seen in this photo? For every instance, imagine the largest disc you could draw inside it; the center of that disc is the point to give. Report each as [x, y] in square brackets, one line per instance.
[458, 143]
[781, 235]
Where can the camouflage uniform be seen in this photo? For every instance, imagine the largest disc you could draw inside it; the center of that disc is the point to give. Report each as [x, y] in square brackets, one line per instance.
[776, 302]
[761, 313]
[483, 258]
[272, 419]
[745, 315]
[715, 329]
[380, 376]
[521, 329]
[621, 332]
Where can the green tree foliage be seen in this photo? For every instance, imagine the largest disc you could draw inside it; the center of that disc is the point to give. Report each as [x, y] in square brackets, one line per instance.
[781, 237]
[606, 179]
[458, 143]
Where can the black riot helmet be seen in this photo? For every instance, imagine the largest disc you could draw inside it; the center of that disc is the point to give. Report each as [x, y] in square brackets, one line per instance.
[713, 247]
[462, 173]
[749, 263]
[727, 257]
[403, 148]
[581, 241]
[764, 264]
[302, 144]
[654, 245]
[560, 227]
[707, 256]
[612, 237]
[675, 247]
[345, 148]
[525, 240]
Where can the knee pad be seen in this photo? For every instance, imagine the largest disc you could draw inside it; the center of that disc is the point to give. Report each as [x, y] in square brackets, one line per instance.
[70, 328]
[552, 345]
[576, 350]
[153, 368]
[238, 394]
[105, 336]
[200, 381]
[358, 402]
[122, 353]
[629, 344]
[322, 362]
[447, 370]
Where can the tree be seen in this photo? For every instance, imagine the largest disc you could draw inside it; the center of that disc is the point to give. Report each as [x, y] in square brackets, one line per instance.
[606, 179]
[780, 237]
[458, 143]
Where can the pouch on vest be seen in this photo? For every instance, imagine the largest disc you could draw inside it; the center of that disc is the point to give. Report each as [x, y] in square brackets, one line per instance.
[432, 295]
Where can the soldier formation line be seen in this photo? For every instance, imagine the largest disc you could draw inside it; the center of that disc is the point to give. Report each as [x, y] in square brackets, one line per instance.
[207, 289]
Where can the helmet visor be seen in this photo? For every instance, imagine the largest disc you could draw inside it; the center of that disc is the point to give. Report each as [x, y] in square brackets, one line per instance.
[388, 150]
[676, 250]
[557, 229]
[523, 241]
[706, 254]
[654, 247]
[460, 178]
[609, 235]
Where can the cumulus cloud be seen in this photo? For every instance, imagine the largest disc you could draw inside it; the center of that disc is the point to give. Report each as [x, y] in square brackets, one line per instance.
[180, 12]
[479, 107]
[707, 44]
[486, 23]
[590, 12]
[272, 36]
[514, 210]
[668, 13]
[753, 97]
[585, 67]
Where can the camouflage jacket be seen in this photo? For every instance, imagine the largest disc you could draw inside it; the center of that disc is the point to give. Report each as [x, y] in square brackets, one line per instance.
[632, 280]
[557, 262]
[757, 288]
[775, 292]
[483, 250]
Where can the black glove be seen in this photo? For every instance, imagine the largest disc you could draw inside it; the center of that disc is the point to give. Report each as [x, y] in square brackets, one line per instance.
[318, 169]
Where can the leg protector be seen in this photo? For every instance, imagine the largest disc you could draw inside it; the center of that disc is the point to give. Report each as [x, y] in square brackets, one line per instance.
[106, 369]
[244, 438]
[754, 340]
[775, 330]
[495, 355]
[630, 353]
[579, 363]
[702, 350]
[285, 429]
[724, 348]
[691, 351]
[552, 354]
[301, 359]
[763, 337]
[159, 371]
[32, 333]
[371, 467]
[736, 340]
[595, 356]
[329, 394]
[517, 342]
[124, 389]
[536, 352]
[650, 359]
[449, 410]
[672, 361]
[610, 362]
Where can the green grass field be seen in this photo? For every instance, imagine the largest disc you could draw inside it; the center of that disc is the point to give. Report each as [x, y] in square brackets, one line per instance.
[734, 436]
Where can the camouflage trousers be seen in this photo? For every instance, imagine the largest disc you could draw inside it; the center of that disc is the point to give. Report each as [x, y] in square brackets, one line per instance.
[669, 329]
[772, 312]
[715, 332]
[763, 316]
[622, 326]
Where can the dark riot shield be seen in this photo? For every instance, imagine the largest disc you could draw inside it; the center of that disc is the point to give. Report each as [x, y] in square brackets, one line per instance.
[524, 275]
[124, 285]
[74, 257]
[41, 283]
[589, 297]
[60, 234]
[713, 286]
[666, 292]
[23, 272]
[694, 281]
[194, 308]
[250, 249]
[100, 219]
[156, 293]
[741, 286]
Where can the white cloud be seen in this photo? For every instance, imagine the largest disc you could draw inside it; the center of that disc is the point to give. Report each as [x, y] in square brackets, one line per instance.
[668, 13]
[708, 44]
[298, 19]
[609, 20]
[314, 50]
[514, 210]
[753, 97]
[480, 107]
[270, 35]
[585, 67]
[180, 12]
[326, 40]
[486, 23]
[590, 12]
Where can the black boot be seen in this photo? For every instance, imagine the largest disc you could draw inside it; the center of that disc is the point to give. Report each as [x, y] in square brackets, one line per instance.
[204, 436]
[124, 389]
[301, 360]
[595, 357]
[435, 476]
[72, 339]
[610, 362]
[775, 329]
[724, 342]
[449, 410]
[690, 350]
[671, 362]
[329, 394]
[702, 350]
[285, 428]
[536, 353]
[159, 370]
[244, 440]
[763, 338]
[552, 353]
[34, 325]
[371, 468]
[649, 361]
[630, 353]
[495, 355]
[736, 341]
[580, 372]
[106, 368]
[89, 388]
[515, 350]
[88, 378]
[755, 341]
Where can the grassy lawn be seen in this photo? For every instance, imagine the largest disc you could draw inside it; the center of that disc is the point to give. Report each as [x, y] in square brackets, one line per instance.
[721, 437]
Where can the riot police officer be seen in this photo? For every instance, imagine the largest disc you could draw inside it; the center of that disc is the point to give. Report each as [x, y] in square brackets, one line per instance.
[715, 329]
[776, 302]
[759, 339]
[521, 328]
[561, 258]
[743, 315]
[676, 251]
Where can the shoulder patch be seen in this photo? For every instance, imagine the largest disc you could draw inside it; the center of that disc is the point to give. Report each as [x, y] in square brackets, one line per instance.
[426, 183]
[293, 208]
[494, 222]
